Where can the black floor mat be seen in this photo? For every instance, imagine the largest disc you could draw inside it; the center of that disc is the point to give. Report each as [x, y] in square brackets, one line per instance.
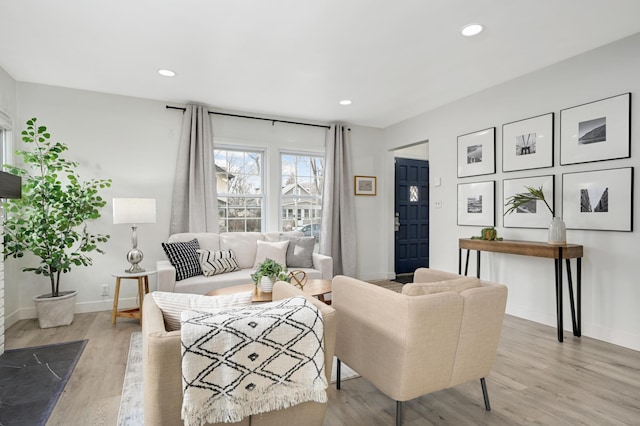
[32, 379]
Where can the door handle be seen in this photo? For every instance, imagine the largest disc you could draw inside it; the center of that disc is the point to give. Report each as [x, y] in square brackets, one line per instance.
[396, 222]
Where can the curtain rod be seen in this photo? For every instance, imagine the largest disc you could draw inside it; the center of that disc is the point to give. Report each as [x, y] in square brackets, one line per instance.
[255, 118]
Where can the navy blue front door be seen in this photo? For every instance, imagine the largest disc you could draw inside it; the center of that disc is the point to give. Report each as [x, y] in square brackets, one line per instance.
[412, 212]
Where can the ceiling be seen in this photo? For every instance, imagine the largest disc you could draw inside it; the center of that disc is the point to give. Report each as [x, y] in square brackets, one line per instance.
[298, 58]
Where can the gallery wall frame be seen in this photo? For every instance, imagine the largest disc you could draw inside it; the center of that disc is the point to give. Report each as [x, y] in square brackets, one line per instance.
[596, 131]
[476, 203]
[528, 144]
[534, 214]
[364, 185]
[477, 153]
[598, 199]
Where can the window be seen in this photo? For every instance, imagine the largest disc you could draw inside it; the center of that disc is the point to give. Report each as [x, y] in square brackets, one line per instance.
[301, 192]
[240, 183]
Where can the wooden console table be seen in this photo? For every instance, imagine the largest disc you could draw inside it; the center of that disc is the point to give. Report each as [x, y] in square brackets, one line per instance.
[537, 249]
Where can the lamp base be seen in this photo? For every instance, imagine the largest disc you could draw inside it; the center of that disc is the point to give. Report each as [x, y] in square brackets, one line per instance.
[134, 257]
[134, 269]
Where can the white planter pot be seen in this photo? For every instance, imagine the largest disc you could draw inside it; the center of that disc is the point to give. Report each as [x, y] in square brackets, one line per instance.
[55, 311]
[266, 284]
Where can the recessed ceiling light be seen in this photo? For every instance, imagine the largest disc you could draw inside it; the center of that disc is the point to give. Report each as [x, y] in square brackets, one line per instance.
[471, 30]
[166, 73]
[345, 102]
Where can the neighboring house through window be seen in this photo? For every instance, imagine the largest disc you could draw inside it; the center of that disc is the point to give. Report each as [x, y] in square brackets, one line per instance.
[240, 183]
[301, 192]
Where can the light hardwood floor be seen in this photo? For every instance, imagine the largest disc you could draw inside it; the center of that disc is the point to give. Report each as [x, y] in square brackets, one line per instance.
[535, 380]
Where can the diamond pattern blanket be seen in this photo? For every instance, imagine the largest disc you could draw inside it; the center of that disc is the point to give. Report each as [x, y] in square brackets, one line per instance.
[250, 360]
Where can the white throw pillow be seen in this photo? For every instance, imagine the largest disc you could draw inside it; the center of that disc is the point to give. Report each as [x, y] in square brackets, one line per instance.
[276, 251]
[172, 304]
[217, 262]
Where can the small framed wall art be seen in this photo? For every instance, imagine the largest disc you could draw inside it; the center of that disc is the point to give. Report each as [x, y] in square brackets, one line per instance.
[477, 153]
[476, 203]
[528, 144]
[596, 131]
[599, 199]
[534, 213]
[364, 185]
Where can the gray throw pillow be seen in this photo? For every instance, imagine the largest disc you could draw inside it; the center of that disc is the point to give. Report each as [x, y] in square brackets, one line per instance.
[300, 251]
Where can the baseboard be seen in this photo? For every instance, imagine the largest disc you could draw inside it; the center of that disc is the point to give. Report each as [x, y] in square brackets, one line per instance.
[377, 276]
[11, 319]
[84, 307]
[615, 337]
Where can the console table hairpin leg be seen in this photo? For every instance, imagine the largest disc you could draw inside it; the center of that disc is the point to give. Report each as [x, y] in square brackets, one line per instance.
[538, 250]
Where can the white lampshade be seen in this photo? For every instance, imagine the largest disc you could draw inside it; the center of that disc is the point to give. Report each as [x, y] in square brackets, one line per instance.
[134, 210]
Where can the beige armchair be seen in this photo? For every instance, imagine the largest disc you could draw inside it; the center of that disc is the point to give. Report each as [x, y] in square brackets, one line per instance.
[162, 369]
[433, 336]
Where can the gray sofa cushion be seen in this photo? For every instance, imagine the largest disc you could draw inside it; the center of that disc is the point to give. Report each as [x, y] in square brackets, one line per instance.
[300, 251]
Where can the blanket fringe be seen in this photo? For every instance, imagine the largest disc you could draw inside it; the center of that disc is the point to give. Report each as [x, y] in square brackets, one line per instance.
[225, 410]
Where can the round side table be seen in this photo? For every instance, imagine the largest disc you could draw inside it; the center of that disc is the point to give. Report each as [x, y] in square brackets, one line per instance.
[143, 288]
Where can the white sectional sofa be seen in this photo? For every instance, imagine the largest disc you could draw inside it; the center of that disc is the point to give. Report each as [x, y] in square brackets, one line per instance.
[244, 245]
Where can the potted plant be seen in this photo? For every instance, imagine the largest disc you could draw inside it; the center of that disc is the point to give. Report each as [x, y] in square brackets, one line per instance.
[267, 273]
[50, 220]
[557, 229]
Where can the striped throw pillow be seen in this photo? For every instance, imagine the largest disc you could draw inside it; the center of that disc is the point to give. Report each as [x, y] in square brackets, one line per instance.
[217, 262]
[172, 304]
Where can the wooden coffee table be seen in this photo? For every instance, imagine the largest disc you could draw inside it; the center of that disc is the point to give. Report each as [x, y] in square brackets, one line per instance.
[317, 288]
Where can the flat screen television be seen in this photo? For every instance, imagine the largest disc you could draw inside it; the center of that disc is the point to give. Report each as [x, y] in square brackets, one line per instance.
[10, 185]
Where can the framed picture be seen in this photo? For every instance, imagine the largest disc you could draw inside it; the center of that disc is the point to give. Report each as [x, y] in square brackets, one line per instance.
[600, 199]
[477, 153]
[596, 131]
[476, 203]
[364, 185]
[528, 144]
[535, 213]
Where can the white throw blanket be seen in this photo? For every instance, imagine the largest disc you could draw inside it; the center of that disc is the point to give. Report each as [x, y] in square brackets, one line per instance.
[250, 360]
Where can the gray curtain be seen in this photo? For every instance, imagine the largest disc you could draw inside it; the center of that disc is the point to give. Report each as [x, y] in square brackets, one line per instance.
[338, 231]
[195, 205]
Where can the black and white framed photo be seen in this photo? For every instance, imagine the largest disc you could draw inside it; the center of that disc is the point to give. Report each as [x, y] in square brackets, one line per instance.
[534, 213]
[476, 203]
[596, 131]
[528, 144]
[600, 199]
[477, 153]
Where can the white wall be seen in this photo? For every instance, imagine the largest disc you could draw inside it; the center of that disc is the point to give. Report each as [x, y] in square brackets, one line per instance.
[368, 152]
[610, 290]
[134, 141]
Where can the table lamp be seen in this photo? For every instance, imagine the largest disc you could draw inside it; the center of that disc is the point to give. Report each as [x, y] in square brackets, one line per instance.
[134, 211]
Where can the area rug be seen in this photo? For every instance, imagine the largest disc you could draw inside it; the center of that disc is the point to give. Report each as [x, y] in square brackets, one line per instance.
[131, 410]
[131, 403]
[32, 380]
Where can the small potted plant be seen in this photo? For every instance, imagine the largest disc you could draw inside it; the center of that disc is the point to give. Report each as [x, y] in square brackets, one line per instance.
[50, 220]
[557, 229]
[267, 273]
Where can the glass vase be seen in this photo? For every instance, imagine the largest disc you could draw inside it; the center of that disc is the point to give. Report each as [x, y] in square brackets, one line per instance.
[557, 231]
